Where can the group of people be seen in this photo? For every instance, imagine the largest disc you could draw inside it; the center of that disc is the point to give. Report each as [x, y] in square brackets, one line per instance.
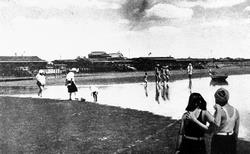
[69, 82]
[162, 74]
[223, 125]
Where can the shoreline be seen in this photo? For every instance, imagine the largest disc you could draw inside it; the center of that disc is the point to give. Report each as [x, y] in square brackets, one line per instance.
[107, 129]
[29, 86]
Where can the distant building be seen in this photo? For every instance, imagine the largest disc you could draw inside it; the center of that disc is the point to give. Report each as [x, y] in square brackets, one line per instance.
[20, 65]
[64, 64]
[98, 55]
[116, 56]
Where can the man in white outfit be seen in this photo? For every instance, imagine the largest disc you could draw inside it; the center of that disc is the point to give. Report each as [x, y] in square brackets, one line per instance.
[190, 71]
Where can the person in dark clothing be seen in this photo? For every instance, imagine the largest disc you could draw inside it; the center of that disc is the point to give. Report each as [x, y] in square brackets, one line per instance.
[70, 83]
[191, 138]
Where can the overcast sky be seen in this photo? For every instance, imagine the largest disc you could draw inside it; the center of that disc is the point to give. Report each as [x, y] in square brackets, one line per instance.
[54, 29]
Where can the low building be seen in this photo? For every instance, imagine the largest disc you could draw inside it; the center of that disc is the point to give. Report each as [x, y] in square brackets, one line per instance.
[20, 65]
[116, 56]
[65, 64]
[100, 55]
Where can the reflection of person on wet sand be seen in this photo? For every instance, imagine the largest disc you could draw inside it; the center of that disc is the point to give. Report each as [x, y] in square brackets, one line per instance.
[157, 92]
[146, 79]
[146, 90]
[165, 91]
[190, 86]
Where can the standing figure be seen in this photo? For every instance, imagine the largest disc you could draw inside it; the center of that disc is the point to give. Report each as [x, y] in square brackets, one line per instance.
[41, 80]
[224, 140]
[157, 74]
[167, 73]
[190, 71]
[94, 92]
[191, 136]
[146, 83]
[70, 83]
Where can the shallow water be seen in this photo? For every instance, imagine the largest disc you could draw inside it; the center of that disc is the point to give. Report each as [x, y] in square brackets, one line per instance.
[174, 100]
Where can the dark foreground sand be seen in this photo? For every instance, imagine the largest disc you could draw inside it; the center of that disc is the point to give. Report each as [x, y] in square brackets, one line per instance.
[31, 125]
[53, 126]
[48, 126]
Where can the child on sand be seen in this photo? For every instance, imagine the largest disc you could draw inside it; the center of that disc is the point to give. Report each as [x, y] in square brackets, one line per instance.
[94, 92]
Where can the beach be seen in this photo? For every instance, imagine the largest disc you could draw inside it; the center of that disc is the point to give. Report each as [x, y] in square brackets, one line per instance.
[34, 125]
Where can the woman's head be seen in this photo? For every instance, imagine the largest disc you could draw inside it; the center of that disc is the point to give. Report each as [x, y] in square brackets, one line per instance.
[196, 101]
[221, 96]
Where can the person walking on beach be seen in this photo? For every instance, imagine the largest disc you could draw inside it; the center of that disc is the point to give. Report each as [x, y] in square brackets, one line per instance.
[190, 71]
[70, 83]
[191, 138]
[224, 141]
[41, 80]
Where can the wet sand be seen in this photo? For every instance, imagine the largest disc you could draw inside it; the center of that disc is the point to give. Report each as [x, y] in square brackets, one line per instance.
[30, 125]
[29, 86]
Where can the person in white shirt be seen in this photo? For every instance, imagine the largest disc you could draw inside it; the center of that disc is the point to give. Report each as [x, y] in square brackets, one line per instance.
[190, 71]
[224, 141]
[41, 80]
[70, 83]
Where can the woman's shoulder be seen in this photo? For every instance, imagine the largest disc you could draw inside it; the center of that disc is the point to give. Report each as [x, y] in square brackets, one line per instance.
[184, 116]
[206, 113]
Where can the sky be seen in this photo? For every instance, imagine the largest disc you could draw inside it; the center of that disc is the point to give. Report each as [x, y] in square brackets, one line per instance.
[65, 29]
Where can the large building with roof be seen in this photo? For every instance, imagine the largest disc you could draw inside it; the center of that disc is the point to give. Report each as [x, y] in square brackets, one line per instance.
[20, 65]
[100, 55]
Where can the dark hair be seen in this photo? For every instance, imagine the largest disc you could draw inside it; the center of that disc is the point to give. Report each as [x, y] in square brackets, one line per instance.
[196, 100]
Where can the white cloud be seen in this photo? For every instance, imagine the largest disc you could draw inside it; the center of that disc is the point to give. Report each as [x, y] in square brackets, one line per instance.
[4, 4]
[45, 4]
[164, 30]
[170, 11]
[247, 9]
[210, 3]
